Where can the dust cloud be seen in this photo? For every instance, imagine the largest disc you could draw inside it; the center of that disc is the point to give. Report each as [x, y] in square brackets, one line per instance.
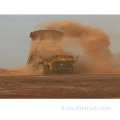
[90, 44]
[96, 56]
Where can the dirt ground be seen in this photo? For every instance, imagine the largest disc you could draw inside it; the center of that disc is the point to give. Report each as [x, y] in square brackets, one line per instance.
[61, 86]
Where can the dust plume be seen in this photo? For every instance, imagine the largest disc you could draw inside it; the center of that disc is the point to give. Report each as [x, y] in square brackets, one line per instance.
[90, 44]
[94, 42]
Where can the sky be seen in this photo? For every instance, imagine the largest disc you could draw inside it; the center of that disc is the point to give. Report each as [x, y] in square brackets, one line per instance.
[15, 31]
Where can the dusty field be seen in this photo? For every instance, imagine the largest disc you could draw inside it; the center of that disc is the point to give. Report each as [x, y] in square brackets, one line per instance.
[61, 86]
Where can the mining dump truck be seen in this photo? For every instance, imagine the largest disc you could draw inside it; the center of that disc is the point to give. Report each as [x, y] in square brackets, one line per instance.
[46, 53]
[56, 64]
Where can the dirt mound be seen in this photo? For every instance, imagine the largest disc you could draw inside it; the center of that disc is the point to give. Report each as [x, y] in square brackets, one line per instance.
[8, 72]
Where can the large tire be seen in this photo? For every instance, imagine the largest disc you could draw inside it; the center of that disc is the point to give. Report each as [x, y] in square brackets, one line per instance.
[43, 69]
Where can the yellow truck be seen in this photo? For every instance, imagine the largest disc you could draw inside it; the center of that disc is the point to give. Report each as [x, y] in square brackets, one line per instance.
[47, 54]
[56, 64]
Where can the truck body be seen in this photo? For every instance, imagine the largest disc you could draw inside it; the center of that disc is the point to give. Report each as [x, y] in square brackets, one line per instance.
[57, 64]
[46, 53]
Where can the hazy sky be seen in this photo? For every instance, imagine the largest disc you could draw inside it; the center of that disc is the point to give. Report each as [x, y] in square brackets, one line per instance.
[15, 31]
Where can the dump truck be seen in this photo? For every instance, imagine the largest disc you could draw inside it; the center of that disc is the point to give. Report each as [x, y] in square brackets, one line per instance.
[47, 54]
[56, 64]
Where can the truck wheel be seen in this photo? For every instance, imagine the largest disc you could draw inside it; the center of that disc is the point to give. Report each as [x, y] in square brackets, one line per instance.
[43, 69]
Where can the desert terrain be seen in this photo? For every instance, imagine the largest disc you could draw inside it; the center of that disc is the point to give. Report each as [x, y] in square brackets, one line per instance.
[60, 86]
[94, 56]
